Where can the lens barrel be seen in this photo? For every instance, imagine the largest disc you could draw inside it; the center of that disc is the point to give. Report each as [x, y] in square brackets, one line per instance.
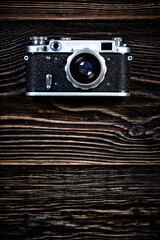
[85, 69]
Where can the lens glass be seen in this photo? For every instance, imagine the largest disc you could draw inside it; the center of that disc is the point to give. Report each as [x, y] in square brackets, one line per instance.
[85, 68]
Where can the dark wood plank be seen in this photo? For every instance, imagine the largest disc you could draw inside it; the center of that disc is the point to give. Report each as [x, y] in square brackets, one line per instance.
[80, 10]
[43, 131]
[83, 131]
[79, 202]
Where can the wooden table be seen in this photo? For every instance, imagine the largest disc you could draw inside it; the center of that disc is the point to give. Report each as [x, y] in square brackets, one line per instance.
[80, 168]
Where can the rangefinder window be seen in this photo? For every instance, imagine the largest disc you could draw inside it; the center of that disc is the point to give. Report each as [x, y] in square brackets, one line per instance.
[106, 46]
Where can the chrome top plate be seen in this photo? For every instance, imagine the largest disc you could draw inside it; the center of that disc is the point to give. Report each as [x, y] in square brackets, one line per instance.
[69, 46]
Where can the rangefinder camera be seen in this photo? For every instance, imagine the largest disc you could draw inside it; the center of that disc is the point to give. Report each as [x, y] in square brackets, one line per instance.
[68, 67]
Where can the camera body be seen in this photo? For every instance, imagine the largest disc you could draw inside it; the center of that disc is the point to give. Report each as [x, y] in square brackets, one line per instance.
[68, 67]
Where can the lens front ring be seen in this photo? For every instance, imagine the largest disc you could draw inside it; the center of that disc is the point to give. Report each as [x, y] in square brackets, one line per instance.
[74, 79]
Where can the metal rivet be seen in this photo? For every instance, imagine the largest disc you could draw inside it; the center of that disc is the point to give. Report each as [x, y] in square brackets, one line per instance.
[48, 58]
[130, 58]
[44, 48]
[26, 58]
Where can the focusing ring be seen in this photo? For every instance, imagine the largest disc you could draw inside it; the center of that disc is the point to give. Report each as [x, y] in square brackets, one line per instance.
[97, 81]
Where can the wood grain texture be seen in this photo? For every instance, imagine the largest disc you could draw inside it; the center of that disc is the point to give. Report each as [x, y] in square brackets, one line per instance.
[80, 10]
[79, 203]
[117, 201]
[80, 130]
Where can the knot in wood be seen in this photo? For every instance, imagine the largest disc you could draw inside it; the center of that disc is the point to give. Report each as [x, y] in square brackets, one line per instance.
[136, 130]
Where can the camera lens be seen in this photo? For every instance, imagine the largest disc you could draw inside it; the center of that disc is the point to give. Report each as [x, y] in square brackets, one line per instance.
[85, 69]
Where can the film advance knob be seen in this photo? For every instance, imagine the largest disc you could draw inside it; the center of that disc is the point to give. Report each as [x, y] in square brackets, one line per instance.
[38, 40]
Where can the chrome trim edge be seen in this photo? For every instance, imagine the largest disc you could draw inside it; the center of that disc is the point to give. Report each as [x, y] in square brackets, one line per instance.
[78, 94]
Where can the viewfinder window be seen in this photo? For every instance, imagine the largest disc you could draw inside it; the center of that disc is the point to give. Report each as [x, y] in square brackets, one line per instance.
[106, 46]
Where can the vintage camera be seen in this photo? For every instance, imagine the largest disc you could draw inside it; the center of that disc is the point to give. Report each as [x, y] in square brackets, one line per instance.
[68, 67]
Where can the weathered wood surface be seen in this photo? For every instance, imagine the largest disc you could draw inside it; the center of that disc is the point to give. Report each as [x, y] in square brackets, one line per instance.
[80, 130]
[80, 10]
[79, 202]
